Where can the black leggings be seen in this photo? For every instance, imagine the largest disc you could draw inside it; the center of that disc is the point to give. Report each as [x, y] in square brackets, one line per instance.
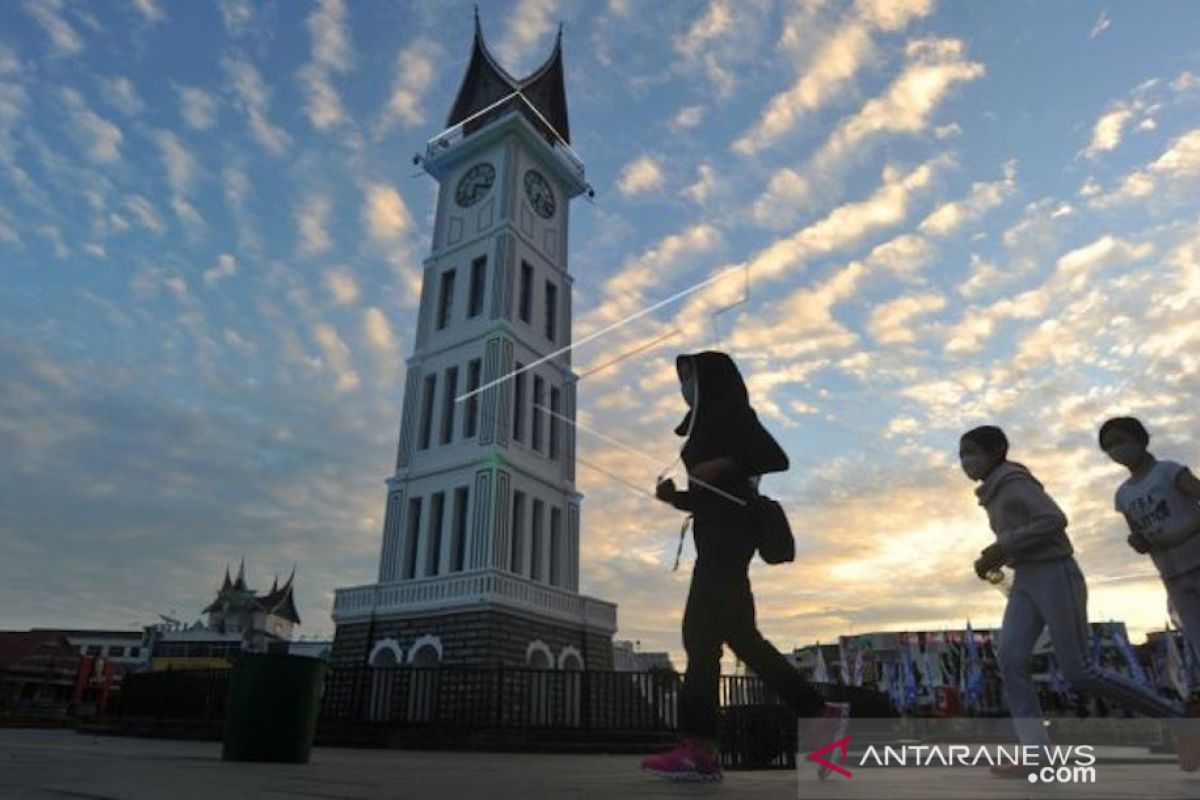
[720, 609]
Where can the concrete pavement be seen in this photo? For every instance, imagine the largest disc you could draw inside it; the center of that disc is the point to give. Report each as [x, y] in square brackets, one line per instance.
[62, 764]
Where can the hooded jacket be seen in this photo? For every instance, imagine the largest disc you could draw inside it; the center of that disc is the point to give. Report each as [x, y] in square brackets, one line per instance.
[1027, 522]
[725, 425]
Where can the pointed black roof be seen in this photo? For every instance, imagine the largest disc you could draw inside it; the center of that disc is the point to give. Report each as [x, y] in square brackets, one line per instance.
[486, 82]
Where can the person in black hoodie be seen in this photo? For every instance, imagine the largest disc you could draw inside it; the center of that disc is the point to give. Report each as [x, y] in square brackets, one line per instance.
[727, 449]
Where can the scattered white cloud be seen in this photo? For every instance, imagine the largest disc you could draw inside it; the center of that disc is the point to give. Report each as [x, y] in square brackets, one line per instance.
[312, 223]
[413, 76]
[48, 13]
[835, 62]
[948, 217]
[197, 107]
[1185, 82]
[332, 52]
[103, 135]
[948, 131]
[891, 322]
[255, 99]
[528, 22]
[640, 176]
[1177, 168]
[226, 267]
[706, 183]
[238, 16]
[144, 212]
[384, 212]
[377, 332]
[1106, 135]
[686, 118]
[1101, 24]
[121, 95]
[341, 286]
[336, 356]
[150, 10]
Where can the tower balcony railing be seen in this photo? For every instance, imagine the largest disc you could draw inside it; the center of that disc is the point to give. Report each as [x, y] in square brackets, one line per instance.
[515, 103]
[473, 588]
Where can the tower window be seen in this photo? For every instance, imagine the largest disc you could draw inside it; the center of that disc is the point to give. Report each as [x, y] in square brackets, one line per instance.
[458, 540]
[555, 547]
[471, 416]
[448, 404]
[555, 422]
[446, 301]
[427, 411]
[519, 405]
[539, 414]
[551, 310]
[433, 557]
[518, 533]
[478, 280]
[535, 541]
[526, 295]
[410, 539]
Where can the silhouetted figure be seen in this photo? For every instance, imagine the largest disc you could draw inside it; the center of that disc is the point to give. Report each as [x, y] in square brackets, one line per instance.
[1161, 502]
[727, 449]
[1048, 589]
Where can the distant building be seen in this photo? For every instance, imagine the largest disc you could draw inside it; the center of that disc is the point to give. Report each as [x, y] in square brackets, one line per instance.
[127, 650]
[38, 672]
[627, 658]
[239, 620]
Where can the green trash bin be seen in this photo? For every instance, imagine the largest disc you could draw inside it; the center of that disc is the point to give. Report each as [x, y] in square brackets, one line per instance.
[274, 700]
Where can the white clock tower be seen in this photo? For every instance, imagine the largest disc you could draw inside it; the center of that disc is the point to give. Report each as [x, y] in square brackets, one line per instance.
[480, 556]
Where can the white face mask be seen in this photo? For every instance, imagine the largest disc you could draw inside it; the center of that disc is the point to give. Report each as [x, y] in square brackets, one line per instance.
[1127, 453]
[975, 465]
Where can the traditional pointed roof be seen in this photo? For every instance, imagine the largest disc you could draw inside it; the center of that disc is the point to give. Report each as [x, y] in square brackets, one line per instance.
[227, 584]
[240, 583]
[486, 82]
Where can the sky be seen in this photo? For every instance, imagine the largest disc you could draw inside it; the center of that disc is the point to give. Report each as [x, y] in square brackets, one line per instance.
[211, 234]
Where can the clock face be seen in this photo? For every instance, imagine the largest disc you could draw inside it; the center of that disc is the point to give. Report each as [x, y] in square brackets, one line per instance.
[540, 195]
[475, 184]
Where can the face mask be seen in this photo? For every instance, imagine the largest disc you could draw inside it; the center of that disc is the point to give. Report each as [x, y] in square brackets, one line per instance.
[1126, 453]
[975, 466]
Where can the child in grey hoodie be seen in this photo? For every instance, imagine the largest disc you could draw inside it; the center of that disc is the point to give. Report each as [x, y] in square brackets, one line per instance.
[1048, 590]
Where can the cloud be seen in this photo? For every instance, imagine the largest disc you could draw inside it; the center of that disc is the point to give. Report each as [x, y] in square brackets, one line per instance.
[1106, 135]
[686, 118]
[237, 15]
[226, 267]
[342, 286]
[105, 136]
[146, 215]
[706, 183]
[255, 100]
[336, 356]
[312, 222]
[197, 107]
[906, 106]
[1185, 82]
[150, 11]
[904, 255]
[181, 170]
[984, 197]
[1177, 168]
[528, 22]
[834, 63]
[63, 38]
[891, 323]
[1101, 25]
[413, 76]
[120, 94]
[332, 52]
[721, 38]
[640, 176]
[384, 213]
[377, 332]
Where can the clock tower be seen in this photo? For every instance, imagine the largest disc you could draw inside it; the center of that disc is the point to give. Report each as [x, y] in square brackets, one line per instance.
[479, 562]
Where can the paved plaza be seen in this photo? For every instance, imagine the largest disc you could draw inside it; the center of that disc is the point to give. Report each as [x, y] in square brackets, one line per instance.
[62, 764]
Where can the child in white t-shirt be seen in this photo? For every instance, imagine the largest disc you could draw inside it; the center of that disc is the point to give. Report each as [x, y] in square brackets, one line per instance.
[1161, 502]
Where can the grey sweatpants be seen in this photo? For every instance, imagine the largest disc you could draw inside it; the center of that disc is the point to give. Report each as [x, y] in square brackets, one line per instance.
[1184, 591]
[1053, 594]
